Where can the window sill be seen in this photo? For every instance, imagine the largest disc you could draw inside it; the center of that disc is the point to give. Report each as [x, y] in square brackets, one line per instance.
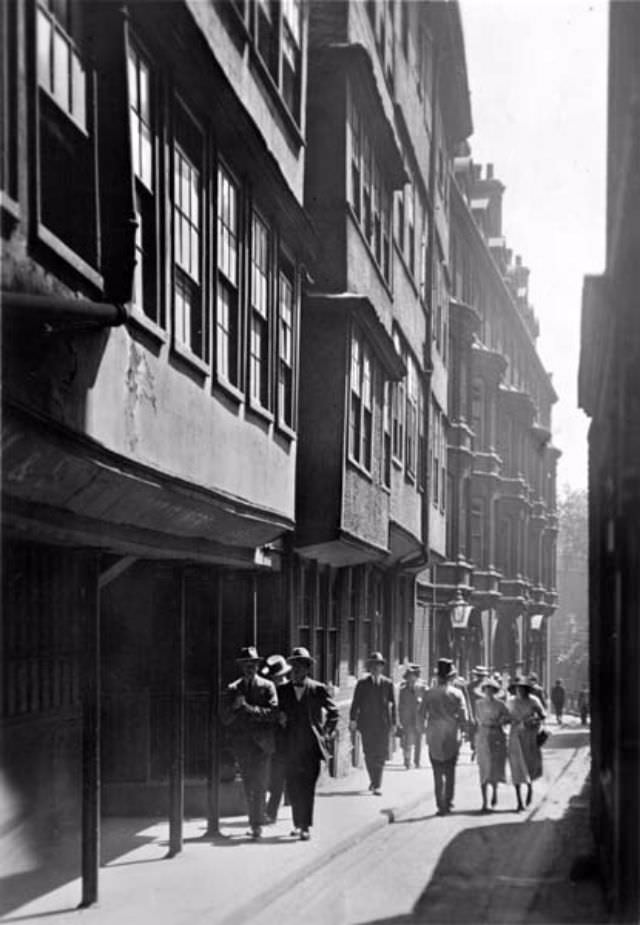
[360, 468]
[260, 411]
[398, 463]
[286, 430]
[9, 206]
[410, 275]
[387, 285]
[274, 92]
[139, 319]
[64, 252]
[191, 358]
[410, 477]
[229, 389]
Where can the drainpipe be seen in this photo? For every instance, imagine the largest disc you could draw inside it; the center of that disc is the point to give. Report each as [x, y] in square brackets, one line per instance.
[50, 310]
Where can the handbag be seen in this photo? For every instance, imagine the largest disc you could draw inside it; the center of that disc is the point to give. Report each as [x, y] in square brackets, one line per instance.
[541, 737]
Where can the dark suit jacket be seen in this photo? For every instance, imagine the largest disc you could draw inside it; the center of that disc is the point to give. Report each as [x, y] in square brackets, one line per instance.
[254, 723]
[309, 719]
[374, 707]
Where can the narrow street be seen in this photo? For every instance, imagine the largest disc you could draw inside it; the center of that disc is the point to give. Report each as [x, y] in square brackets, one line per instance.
[467, 867]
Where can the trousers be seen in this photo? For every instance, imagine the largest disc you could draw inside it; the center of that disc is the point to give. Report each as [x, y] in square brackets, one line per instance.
[376, 750]
[411, 739]
[444, 776]
[301, 787]
[277, 775]
[254, 767]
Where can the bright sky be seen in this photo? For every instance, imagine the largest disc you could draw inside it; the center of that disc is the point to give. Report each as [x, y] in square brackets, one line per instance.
[537, 74]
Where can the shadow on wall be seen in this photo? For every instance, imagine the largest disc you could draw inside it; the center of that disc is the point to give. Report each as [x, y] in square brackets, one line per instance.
[531, 872]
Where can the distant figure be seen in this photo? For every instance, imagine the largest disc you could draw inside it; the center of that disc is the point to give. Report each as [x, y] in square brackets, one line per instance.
[583, 704]
[557, 700]
[277, 670]
[492, 715]
[311, 719]
[446, 713]
[373, 713]
[411, 715]
[538, 690]
[525, 758]
[250, 708]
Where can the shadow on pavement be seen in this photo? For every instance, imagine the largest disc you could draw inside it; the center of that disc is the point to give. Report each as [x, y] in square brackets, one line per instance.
[59, 863]
[514, 872]
[561, 739]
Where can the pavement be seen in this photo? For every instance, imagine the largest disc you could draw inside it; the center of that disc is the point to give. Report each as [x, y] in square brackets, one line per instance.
[232, 880]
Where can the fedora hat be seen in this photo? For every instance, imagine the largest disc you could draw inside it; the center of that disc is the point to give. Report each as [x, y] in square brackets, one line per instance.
[445, 668]
[376, 658]
[490, 682]
[300, 654]
[248, 654]
[275, 667]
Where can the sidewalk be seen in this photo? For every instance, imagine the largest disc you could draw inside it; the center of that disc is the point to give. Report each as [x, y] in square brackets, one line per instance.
[232, 879]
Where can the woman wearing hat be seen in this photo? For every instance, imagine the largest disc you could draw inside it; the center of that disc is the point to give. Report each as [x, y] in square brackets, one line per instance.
[525, 758]
[491, 742]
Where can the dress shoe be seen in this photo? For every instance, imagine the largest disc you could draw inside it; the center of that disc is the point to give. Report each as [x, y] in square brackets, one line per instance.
[377, 792]
[305, 835]
[294, 833]
[256, 832]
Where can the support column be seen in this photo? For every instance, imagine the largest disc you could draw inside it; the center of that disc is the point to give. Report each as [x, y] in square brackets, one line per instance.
[176, 768]
[213, 782]
[90, 668]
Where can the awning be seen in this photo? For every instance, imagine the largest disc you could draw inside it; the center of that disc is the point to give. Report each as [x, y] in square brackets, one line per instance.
[536, 621]
[460, 614]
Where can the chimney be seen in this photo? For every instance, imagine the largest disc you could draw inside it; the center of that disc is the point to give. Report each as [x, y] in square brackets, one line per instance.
[489, 171]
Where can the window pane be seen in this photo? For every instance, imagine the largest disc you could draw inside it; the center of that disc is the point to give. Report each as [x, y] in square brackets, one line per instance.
[44, 50]
[78, 102]
[61, 70]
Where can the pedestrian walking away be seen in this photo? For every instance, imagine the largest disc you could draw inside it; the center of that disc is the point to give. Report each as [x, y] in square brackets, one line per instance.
[491, 742]
[446, 714]
[310, 719]
[277, 670]
[411, 715]
[558, 697]
[525, 757]
[538, 690]
[250, 708]
[583, 704]
[373, 714]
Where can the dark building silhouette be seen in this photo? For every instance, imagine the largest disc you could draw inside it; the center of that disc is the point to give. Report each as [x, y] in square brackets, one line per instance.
[609, 392]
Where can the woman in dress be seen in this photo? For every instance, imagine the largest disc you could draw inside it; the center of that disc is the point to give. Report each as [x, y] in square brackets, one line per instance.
[525, 758]
[491, 742]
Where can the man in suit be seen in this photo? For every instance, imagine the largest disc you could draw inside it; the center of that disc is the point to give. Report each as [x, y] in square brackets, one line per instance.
[446, 713]
[310, 719]
[277, 670]
[373, 714]
[250, 708]
[411, 715]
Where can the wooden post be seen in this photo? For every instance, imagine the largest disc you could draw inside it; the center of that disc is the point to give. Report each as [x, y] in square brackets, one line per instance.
[90, 685]
[177, 686]
[215, 678]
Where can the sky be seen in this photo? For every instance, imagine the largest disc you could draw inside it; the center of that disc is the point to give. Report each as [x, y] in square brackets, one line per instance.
[537, 75]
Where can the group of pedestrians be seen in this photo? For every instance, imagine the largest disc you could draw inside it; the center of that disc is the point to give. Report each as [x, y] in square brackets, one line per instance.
[283, 724]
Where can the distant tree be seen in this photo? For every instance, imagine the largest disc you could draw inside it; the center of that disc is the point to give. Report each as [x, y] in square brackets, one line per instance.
[573, 525]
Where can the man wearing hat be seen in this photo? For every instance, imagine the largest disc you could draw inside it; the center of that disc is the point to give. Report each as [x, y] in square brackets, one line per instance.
[411, 715]
[446, 713]
[250, 709]
[277, 670]
[310, 719]
[373, 713]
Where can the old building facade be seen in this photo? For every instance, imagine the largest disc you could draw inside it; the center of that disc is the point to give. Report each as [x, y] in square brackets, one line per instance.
[269, 378]
[494, 589]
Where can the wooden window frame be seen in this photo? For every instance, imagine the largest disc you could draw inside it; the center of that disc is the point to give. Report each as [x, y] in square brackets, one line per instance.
[261, 401]
[225, 282]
